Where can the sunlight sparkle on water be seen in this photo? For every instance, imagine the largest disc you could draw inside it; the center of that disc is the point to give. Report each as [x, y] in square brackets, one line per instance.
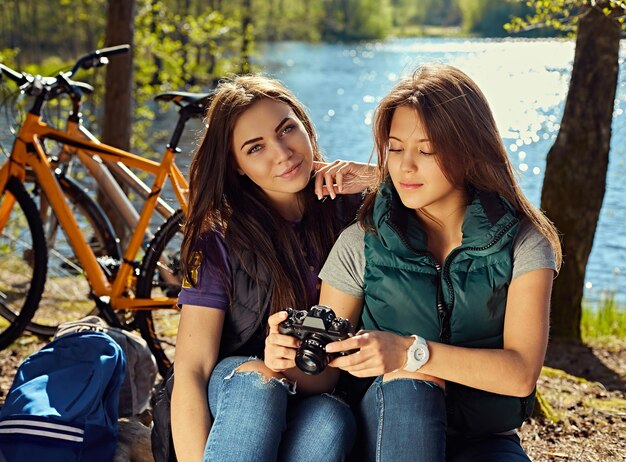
[525, 82]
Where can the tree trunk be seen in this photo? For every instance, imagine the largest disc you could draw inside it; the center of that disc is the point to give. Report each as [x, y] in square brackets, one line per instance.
[116, 124]
[575, 177]
[158, 62]
[246, 32]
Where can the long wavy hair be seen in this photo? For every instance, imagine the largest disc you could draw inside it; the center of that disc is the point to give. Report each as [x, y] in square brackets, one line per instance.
[462, 131]
[222, 201]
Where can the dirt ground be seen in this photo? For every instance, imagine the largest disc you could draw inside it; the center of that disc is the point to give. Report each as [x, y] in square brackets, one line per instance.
[585, 387]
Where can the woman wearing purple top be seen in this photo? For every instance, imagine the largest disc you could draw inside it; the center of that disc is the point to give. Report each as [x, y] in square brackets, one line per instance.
[255, 238]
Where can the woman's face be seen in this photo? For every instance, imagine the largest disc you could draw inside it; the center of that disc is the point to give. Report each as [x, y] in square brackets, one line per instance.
[413, 167]
[271, 146]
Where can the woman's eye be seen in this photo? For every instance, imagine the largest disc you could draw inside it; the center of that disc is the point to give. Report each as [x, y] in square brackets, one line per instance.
[288, 129]
[254, 149]
[426, 153]
[394, 149]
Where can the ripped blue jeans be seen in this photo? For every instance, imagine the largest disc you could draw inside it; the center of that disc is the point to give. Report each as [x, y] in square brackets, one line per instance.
[256, 419]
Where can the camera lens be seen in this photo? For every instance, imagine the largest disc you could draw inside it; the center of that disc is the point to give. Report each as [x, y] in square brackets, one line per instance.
[309, 364]
[311, 357]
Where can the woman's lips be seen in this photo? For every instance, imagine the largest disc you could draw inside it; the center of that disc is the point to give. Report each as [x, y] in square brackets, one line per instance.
[411, 186]
[291, 171]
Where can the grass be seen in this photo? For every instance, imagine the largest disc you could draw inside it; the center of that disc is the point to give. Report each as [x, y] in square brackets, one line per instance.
[605, 321]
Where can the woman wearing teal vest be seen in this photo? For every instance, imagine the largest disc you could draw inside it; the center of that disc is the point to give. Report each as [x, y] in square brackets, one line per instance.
[449, 271]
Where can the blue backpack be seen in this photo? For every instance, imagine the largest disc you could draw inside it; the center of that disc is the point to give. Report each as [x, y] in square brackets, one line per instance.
[63, 404]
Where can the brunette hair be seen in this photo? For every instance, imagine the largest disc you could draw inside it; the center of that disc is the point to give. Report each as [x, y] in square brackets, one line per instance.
[463, 133]
[222, 201]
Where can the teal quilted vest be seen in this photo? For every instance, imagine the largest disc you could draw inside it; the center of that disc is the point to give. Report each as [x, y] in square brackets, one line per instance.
[461, 302]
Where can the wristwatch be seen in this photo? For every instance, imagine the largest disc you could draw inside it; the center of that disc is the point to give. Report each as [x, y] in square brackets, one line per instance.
[417, 355]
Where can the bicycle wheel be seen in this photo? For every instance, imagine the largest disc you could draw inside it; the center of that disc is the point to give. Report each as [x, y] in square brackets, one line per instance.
[160, 276]
[23, 259]
[66, 295]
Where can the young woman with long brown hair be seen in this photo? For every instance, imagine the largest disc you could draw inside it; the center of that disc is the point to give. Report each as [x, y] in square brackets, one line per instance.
[255, 238]
[450, 271]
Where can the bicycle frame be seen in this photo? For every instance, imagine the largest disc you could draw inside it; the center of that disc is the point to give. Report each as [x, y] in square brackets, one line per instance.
[29, 151]
[100, 171]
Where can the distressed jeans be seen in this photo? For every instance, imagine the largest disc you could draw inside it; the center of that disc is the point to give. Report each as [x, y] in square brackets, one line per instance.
[402, 419]
[405, 419]
[259, 419]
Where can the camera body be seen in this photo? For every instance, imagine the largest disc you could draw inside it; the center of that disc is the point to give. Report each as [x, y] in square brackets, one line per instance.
[316, 327]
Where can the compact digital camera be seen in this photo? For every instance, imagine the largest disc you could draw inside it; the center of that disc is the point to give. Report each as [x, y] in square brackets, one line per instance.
[316, 327]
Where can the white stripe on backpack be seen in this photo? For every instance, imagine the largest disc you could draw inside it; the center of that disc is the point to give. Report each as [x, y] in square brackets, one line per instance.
[45, 434]
[39, 423]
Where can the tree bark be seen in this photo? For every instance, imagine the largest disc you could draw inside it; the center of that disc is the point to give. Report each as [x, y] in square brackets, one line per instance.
[246, 24]
[575, 177]
[116, 124]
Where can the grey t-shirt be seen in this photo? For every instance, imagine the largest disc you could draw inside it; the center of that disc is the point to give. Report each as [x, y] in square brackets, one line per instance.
[345, 266]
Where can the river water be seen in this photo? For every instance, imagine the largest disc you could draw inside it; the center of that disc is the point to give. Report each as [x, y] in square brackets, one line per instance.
[525, 81]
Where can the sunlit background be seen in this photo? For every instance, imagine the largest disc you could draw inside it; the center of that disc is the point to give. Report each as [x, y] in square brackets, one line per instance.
[525, 81]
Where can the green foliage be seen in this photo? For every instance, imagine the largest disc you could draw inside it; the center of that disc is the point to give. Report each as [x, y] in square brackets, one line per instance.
[288, 20]
[369, 19]
[426, 12]
[488, 17]
[177, 46]
[357, 19]
[42, 28]
[178, 50]
[7, 56]
[562, 15]
[604, 320]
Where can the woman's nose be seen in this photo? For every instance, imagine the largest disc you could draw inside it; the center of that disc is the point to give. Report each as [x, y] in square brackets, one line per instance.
[409, 163]
[282, 151]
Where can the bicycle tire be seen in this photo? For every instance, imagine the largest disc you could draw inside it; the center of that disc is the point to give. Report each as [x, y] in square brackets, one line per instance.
[21, 283]
[159, 327]
[59, 302]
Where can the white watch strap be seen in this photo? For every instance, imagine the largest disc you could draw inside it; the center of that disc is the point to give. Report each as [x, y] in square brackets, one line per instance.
[412, 364]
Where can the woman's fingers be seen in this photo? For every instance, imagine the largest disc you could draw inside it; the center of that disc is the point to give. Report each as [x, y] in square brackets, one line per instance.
[280, 351]
[352, 343]
[379, 353]
[329, 180]
[276, 339]
[274, 320]
[342, 177]
[324, 179]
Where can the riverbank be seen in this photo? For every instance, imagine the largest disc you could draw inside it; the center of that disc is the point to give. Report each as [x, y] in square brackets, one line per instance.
[585, 387]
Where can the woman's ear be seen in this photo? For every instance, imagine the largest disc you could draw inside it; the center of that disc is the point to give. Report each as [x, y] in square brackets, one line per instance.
[241, 172]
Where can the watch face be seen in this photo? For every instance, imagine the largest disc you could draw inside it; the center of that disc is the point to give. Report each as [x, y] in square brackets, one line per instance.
[419, 354]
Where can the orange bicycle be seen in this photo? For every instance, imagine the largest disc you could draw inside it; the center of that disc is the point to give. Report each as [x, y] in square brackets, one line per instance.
[131, 293]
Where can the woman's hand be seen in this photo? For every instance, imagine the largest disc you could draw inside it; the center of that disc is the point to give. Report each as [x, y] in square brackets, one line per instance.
[280, 350]
[342, 177]
[379, 353]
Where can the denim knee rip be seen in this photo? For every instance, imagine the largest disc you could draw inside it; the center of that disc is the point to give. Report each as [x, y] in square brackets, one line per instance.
[263, 380]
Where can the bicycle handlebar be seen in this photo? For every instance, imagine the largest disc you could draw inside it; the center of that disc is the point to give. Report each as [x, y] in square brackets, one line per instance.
[17, 77]
[61, 84]
[98, 58]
